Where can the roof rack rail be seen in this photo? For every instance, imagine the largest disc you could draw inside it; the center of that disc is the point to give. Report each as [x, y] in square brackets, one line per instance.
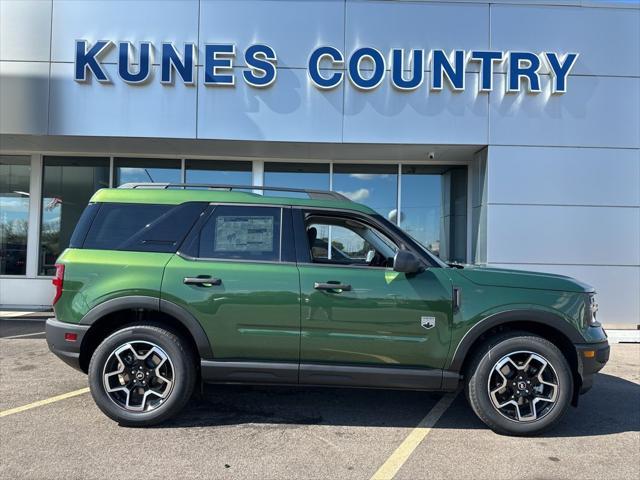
[313, 194]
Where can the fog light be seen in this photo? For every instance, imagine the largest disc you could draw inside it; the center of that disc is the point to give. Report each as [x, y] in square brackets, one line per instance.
[70, 337]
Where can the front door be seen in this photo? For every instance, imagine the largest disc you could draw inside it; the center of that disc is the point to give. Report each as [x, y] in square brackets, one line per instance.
[237, 281]
[356, 310]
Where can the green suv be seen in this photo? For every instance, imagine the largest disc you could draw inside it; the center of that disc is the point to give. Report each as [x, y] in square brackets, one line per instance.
[164, 286]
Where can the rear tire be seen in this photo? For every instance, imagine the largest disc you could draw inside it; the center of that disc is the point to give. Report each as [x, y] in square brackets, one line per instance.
[519, 384]
[142, 375]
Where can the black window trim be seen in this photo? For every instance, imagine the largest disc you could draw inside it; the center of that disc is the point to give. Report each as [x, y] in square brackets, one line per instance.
[404, 242]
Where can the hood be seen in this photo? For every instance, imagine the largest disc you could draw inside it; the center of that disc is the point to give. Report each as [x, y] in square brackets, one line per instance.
[503, 277]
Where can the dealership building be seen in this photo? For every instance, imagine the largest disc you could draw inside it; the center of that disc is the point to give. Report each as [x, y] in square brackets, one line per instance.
[502, 132]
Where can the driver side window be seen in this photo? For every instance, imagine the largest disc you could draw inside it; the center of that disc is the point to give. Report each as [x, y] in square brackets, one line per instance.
[356, 244]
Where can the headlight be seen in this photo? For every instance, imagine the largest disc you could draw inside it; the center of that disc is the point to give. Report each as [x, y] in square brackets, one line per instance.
[592, 310]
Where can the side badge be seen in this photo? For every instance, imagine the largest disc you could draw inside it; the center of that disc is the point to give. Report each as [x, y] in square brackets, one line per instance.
[428, 322]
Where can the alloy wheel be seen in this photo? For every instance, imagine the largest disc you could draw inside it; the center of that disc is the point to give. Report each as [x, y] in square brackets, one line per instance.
[138, 376]
[523, 386]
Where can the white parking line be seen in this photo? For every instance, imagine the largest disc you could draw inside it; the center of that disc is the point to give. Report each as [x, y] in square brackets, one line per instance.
[24, 335]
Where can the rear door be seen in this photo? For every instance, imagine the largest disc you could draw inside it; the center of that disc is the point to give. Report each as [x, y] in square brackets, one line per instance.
[236, 274]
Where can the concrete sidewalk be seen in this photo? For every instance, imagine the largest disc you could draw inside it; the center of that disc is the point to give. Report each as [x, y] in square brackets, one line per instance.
[623, 336]
[26, 315]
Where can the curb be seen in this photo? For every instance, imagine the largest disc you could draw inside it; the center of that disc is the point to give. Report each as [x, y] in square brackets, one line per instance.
[623, 336]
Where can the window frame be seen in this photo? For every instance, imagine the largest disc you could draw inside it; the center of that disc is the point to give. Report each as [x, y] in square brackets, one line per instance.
[189, 249]
[138, 162]
[23, 160]
[142, 237]
[190, 165]
[340, 222]
[401, 239]
[64, 161]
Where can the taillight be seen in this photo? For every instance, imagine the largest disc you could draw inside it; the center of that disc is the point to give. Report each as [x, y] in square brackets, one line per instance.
[57, 281]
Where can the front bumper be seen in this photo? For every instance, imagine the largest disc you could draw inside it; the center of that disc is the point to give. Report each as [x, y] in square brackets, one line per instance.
[68, 351]
[592, 357]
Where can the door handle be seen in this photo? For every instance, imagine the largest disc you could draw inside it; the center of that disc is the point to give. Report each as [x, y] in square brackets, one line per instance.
[202, 280]
[332, 286]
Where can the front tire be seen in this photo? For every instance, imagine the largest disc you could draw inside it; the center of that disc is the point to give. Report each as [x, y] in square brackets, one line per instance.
[519, 384]
[142, 375]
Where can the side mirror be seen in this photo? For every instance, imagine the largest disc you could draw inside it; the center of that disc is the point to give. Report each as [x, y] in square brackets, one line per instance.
[406, 262]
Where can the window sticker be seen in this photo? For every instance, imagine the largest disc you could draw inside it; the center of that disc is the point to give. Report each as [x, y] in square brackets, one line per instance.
[236, 233]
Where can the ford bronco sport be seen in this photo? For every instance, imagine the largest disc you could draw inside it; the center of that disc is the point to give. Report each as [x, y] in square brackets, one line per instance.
[164, 286]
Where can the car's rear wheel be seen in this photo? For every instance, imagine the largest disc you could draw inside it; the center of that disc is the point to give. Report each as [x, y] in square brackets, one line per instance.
[142, 375]
[519, 384]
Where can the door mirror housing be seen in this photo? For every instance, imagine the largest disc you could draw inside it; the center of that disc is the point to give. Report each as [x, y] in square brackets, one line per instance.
[406, 262]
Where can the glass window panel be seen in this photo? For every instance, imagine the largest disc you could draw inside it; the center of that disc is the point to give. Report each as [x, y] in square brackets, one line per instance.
[141, 227]
[421, 205]
[116, 223]
[14, 214]
[346, 245]
[145, 170]
[361, 246]
[242, 233]
[219, 171]
[68, 184]
[313, 176]
[433, 208]
[456, 224]
[372, 185]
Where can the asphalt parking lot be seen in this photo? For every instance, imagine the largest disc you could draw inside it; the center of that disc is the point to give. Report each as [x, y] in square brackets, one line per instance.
[305, 433]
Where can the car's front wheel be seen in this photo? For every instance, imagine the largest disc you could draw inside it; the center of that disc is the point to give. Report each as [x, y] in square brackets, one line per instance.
[519, 384]
[142, 375]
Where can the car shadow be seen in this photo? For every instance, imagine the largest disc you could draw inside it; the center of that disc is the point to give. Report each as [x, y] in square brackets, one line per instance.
[612, 406]
[27, 328]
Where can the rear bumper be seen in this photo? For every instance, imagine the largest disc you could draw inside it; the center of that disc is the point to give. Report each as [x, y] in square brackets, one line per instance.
[592, 357]
[67, 351]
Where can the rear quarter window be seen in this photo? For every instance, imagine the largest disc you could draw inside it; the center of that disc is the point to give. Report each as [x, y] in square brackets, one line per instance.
[83, 225]
[141, 227]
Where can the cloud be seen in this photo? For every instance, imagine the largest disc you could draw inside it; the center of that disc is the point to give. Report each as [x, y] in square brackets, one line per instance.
[14, 204]
[367, 176]
[357, 195]
[393, 216]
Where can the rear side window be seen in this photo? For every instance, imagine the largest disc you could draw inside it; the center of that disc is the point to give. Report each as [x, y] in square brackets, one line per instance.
[141, 227]
[242, 233]
[83, 225]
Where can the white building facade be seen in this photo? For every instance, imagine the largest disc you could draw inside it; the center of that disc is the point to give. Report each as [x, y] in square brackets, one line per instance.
[504, 133]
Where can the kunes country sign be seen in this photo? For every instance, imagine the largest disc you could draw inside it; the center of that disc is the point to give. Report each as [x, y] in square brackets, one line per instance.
[366, 68]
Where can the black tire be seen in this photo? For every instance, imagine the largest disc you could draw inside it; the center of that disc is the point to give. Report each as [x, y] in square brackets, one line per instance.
[181, 361]
[481, 367]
